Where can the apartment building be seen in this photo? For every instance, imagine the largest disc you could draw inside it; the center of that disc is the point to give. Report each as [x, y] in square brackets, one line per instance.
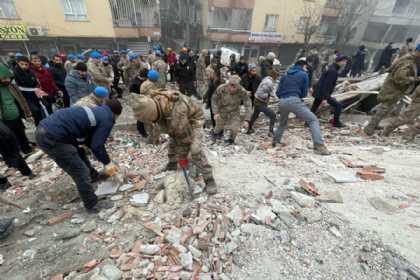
[75, 25]
[254, 28]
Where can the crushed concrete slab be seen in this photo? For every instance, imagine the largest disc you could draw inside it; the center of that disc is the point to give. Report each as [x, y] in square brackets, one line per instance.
[106, 188]
[140, 199]
[330, 197]
[343, 176]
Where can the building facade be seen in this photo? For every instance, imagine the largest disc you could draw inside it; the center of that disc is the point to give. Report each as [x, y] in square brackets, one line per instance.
[76, 25]
[254, 28]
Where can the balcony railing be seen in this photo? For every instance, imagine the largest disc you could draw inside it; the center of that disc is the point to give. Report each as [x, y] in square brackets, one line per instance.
[135, 13]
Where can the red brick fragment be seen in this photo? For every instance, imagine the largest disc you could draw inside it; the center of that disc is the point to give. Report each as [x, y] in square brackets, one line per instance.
[60, 218]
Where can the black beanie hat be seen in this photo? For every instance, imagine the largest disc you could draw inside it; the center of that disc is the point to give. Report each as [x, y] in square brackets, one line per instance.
[115, 106]
[80, 66]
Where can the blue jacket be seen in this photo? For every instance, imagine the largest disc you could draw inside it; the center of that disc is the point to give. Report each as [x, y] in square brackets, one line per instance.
[72, 126]
[77, 87]
[294, 83]
[327, 82]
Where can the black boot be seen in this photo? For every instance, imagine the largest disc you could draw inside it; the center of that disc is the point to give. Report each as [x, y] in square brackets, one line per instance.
[4, 184]
[6, 227]
[211, 187]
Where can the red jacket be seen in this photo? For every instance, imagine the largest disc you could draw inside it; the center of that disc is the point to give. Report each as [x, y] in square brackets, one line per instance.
[171, 58]
[46, 81]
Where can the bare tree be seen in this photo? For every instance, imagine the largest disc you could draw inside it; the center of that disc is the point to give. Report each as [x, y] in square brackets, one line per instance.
[309, 22]
[349, 12]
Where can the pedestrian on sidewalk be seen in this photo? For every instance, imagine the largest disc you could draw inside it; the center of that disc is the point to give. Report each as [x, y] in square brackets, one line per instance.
[60, 135]
[326, 87]
[293, 87]
[10, 153]
[14, 107]
[401, 81]
[262, 97]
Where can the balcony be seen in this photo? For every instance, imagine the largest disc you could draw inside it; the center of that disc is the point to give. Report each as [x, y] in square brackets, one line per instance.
[135, 13]
[240, 4]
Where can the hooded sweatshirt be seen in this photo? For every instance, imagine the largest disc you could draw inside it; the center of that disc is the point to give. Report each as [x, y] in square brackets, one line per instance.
[265, 89]
[294, 84]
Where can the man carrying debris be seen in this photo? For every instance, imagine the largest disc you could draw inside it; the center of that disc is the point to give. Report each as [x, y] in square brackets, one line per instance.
[292, 89]
[400, 81]
[226, 104]
[61, 133]
[326, 87]
[183, 119]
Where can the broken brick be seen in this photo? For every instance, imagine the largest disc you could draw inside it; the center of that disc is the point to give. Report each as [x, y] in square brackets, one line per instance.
[57, 277]
[370, 176]
[373, 169]
[309, 187]
[60, 218]
[136, 247]
[115, 253]
[90, 265]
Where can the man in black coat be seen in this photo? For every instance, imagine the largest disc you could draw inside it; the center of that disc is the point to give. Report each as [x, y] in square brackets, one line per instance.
[59, 73]
[185, 76]
[358, 62]
[386, 57]
[325, 89]
[29, 86]
[250, 81]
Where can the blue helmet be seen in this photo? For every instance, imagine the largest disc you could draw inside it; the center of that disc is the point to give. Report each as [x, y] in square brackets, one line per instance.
[96, 55]
[153, 75]
[418, 48]
[133, 56]
[71, 57]
[105, 59]
[81, 57]
[18, 54]
[101, 92]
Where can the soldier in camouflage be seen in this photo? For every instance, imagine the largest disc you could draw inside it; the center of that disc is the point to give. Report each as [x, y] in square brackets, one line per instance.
[132, 70]
[181, 118]
[200, 73]
[96, 98]
[401, 81]
[226, 103]
[97, 71]
[160, 66]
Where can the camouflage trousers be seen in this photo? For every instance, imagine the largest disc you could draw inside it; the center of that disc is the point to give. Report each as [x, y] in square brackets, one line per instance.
[408, 117]
[202, 88]
[178, 151]
[153, 132]
[382, 111]
[229, 124]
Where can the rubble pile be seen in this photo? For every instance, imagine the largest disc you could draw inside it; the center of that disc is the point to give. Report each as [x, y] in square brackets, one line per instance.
[277, 229]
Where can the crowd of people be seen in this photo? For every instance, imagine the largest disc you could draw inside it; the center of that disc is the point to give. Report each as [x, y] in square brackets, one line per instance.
[73, 102]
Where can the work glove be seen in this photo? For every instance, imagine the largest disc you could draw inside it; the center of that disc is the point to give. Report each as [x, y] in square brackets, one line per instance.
[111, 169]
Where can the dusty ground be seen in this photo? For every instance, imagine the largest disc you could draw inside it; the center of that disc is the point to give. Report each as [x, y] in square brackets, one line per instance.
[305, 239]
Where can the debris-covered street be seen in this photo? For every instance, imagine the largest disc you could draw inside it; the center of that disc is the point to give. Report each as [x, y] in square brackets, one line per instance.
[358, 220]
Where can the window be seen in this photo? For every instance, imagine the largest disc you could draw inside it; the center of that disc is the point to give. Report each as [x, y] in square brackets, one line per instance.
[127, 13]
[7, 9]
[271, 22]
[401, 6]
[74, 10]
[228, 18]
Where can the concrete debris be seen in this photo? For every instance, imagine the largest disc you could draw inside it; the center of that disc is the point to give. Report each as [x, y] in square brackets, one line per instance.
[343, 176]
[149, 249]
[140, 199]
[89, 226]
[126, 187]
[1, 259]
[106, 188]
[35, 156]
[303, 200]
[187, 261]
[330, 197]
[111, 272]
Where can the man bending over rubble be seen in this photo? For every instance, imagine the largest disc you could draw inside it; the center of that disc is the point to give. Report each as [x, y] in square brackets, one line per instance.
[292, 88]
[61, 133]
[181, 118]
[400, 81]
